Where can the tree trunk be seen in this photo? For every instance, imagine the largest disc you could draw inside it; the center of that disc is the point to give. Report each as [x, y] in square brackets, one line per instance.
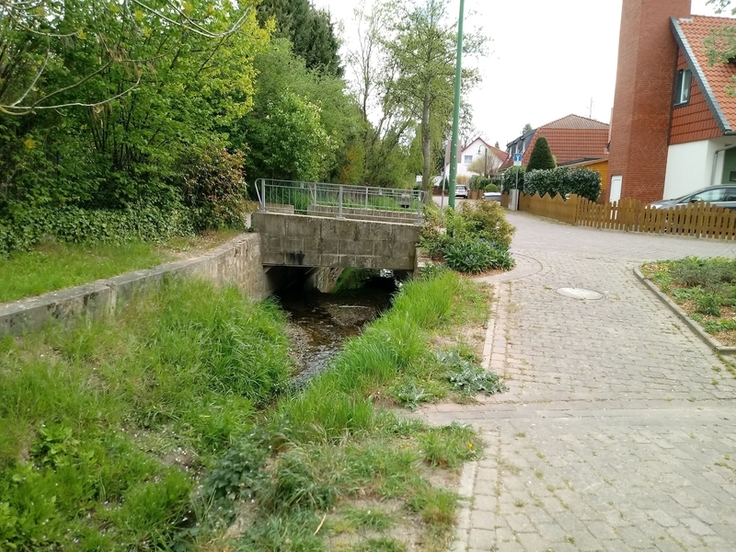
[426, 150]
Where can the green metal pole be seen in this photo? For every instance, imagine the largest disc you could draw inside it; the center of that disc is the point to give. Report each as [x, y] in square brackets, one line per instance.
[456, 114]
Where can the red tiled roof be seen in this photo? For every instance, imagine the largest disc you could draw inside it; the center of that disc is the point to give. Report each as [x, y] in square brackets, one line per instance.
[717, 77]
[576, 122]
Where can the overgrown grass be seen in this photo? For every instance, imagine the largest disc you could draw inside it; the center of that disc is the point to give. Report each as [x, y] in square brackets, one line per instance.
[52, 266]
[171, 427]
[107, 422]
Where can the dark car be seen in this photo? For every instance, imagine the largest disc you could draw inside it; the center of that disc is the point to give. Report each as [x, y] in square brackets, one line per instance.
[461, 191]
[723, 196]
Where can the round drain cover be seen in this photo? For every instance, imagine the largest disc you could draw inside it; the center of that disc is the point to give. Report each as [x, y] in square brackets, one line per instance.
[580, 293]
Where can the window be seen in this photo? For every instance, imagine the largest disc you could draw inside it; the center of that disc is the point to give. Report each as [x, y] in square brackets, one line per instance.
[716, 194]
[467, 159]
[682, 87]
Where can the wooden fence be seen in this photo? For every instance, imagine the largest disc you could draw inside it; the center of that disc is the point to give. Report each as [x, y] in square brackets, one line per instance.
[700, 219]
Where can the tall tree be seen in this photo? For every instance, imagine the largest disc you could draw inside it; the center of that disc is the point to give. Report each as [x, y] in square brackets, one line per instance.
[421, 47]
[541, 157]
[310, 31]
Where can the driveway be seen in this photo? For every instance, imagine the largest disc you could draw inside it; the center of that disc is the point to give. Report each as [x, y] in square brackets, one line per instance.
[619, 429]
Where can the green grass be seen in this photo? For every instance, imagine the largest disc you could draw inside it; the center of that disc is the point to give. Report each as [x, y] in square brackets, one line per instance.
[160, 427]
[54, 266]
[704, 288]
[100, 412]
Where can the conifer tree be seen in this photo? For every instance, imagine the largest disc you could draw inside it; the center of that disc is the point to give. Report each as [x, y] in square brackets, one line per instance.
[541, 157]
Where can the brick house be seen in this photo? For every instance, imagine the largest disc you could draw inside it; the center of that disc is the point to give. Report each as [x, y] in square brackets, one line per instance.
[672, 127]
[571, 139]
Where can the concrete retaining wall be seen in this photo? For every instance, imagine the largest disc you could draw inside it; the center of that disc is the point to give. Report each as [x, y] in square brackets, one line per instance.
[238, 261]
[294, 240]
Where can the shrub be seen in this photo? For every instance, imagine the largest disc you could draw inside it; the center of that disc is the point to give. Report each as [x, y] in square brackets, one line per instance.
[473, 255]
[486, 220]
[509, 180]
[706, 273]
[583, 182]
[214, 188]
[24, 229]
[541, 157]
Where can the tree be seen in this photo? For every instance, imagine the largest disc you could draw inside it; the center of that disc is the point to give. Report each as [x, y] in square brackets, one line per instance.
[527, 128]
[310, 31]
[114, 94]
[541, 157]
[421, 47]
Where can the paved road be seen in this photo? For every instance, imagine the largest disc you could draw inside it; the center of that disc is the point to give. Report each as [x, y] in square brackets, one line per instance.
[619, 429]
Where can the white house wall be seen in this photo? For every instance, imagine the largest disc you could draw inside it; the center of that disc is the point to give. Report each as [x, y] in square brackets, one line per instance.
[690, 167]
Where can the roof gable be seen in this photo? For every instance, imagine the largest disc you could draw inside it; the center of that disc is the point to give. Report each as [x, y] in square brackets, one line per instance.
[576, 122]
[713, 80]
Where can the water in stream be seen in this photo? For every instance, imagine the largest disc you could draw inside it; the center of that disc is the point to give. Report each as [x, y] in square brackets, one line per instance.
[320, 322]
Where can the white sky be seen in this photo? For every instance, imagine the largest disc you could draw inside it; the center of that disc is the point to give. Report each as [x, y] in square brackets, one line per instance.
[547, 59]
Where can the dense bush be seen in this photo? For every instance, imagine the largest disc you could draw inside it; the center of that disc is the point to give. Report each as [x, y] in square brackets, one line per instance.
[473, 255]
[481, 219]
[509, 181]
[583, 182]
[214, 188]
[24, 229]
[479, 182]
[476, 238]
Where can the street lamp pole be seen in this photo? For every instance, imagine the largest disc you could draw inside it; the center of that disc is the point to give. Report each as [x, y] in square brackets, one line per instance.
[456, 114]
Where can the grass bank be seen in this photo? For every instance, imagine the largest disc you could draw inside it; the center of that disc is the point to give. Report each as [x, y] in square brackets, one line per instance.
[53, 266]
[172, 426]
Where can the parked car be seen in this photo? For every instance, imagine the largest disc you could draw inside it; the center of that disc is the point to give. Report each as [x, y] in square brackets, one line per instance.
[461, 191]
[493, 196]
[723, 196]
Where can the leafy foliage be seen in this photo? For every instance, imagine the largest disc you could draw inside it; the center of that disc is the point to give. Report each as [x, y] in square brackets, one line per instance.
[310, 31]
[541, 157]
[583, 182]
[475, 255]
[510, 179]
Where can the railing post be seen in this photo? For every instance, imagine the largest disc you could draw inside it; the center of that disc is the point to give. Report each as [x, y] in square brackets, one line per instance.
[339, 203]
[420, 200]
[366, 197]
[262, 195]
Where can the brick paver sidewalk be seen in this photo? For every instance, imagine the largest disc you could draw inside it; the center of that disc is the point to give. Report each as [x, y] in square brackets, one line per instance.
[619, 429]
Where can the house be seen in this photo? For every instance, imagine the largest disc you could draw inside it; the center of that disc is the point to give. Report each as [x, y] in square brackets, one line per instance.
[673, 127]
[478, 150]
[572, 138]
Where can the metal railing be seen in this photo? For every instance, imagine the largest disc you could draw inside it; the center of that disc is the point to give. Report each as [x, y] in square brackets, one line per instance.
[339, 200]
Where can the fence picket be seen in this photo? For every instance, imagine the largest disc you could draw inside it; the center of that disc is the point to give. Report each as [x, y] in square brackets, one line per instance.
[694, 219]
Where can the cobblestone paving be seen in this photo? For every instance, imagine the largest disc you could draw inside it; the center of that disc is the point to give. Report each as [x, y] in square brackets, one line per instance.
[619, 429]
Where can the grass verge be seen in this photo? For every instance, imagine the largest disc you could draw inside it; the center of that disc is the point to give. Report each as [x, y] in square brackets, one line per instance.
[704, 288]
[171, 426]
[53, 266]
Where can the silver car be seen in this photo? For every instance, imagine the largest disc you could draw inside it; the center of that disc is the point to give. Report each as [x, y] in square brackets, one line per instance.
[461, 191]
[723, 196]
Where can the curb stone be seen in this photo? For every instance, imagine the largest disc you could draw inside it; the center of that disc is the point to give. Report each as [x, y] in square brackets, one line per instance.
[692, 324]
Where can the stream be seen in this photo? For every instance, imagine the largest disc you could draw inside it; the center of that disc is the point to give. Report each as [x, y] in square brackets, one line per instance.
[319, 323]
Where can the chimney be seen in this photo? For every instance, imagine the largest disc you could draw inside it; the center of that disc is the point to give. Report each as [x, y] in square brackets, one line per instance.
[643, 100]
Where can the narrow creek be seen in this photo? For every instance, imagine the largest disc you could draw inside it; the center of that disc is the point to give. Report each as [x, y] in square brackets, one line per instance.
[319, 323]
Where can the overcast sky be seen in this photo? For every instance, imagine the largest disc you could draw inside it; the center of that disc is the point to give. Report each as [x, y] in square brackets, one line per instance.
[547, 59]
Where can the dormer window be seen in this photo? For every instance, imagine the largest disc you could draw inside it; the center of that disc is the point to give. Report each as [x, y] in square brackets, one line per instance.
[682, 86]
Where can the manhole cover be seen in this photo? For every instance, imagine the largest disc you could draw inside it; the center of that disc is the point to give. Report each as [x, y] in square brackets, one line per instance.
[580, 293]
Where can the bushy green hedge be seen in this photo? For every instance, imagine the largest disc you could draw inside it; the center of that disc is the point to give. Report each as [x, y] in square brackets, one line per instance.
[583, 182]
[24, 229]
[508, 180]
[476, 238]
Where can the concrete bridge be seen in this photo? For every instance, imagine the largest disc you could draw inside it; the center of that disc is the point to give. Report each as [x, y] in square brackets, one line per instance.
[311, 241]
[308, 224]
